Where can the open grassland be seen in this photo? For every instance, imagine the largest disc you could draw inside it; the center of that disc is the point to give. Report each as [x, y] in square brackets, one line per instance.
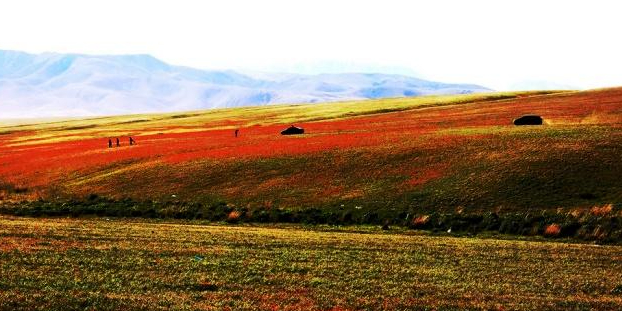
[69, 264]
[409, 161]
[41, 131]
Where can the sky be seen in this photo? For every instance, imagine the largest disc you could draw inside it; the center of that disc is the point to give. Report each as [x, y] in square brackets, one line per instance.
[499, 44]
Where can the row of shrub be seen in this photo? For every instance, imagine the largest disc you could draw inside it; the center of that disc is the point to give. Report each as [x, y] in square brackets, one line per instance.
[599, 225]
[550, 224]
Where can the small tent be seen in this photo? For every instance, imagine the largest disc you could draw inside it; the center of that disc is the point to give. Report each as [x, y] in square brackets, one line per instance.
[293, 130]
[529, 119]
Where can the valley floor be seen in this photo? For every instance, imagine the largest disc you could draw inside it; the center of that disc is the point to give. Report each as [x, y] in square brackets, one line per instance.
[116, 264]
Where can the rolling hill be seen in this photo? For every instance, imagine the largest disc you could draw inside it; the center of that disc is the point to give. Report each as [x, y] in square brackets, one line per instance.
[367, 162]
[50, 85]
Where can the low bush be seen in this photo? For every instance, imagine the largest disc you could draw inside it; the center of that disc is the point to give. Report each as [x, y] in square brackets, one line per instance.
[233, 217]
[420, 222]
[552, 230]
[600, 211]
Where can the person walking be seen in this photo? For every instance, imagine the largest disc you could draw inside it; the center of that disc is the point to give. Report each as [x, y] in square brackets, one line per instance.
[118, 144]
[109, 143]
[132, 141]
[236, 132]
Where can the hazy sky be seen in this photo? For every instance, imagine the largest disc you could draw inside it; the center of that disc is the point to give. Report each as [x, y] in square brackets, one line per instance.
[499, 44]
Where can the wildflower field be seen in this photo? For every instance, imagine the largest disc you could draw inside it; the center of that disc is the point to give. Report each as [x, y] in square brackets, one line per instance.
[456, 161]
[99, 264]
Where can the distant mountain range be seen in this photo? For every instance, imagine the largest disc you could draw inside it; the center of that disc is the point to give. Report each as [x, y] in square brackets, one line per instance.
[51, 84]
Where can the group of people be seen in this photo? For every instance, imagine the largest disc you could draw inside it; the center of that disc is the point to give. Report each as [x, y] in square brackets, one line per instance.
[132, 142]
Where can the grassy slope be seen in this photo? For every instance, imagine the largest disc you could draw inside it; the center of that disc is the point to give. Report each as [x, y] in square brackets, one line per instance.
[63, 264]
[405, 155]
[33, 131]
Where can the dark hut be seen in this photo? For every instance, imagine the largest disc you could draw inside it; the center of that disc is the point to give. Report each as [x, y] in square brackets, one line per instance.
[293, 130]
[529, 119]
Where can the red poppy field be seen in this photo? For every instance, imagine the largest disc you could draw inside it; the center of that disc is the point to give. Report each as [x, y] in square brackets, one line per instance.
[436, 153]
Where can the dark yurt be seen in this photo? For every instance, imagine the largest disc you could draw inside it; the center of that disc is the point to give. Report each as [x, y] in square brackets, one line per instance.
[528, 119]
[293, 130]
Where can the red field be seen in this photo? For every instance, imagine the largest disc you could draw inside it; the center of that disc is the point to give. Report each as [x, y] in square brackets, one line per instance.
[359, 157]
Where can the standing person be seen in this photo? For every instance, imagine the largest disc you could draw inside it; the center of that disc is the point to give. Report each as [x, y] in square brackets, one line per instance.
[132, 141]
[109, 143]
[118, 144]
[236, 132]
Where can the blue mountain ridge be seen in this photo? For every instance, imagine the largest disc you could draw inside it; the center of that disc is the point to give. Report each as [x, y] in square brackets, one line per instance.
[53, 84]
